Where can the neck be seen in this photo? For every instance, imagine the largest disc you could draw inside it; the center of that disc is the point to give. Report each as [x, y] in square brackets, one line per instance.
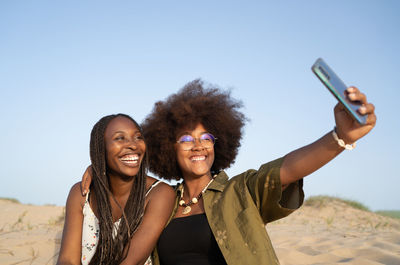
[120, 187]
[193, 186]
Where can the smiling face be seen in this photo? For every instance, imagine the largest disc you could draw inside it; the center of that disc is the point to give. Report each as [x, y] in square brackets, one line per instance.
[125, 147]
[197, 161]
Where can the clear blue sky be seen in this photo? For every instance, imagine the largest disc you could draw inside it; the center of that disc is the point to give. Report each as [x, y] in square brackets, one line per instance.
[65, 64]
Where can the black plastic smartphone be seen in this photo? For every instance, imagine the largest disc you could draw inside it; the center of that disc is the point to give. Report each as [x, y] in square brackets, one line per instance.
[337, 88]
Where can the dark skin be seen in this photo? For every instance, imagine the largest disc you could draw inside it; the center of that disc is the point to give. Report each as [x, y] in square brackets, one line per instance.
[125, 150]
[195, 164]
[296, 164]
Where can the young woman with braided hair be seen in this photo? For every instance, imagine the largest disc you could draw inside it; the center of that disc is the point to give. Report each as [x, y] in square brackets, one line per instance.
[120, 218]
[192, 136]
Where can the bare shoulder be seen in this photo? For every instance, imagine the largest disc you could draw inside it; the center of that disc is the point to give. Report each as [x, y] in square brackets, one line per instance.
[160, 202]
[161, 191]
[164, 189]
[75, 195]
[150, 181]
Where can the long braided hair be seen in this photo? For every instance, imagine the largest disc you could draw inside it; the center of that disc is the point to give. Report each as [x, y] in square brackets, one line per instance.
[112, 242]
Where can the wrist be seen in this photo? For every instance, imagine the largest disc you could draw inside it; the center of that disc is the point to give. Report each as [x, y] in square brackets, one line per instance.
[341, 142]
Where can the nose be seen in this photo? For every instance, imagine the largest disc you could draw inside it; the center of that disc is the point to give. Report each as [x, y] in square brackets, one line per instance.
[131, 143]
[197, 144]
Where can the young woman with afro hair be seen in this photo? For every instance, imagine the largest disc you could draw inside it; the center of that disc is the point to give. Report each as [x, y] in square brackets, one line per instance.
[193, 136]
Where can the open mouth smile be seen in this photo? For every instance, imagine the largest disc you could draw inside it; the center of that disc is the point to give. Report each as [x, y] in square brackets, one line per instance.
[197, 158]
[130, 160]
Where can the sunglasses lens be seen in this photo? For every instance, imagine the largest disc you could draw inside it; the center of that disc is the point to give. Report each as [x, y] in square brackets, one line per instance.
[207, 138]
[186, 139]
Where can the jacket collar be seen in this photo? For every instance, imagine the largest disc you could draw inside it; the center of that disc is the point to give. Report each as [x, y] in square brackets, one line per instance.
[218, 184]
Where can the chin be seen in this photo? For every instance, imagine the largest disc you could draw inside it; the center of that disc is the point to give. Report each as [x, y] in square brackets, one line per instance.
[200, 173]
[130, 173]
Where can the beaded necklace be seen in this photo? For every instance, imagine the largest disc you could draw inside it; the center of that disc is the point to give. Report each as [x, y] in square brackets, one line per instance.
[194, 200]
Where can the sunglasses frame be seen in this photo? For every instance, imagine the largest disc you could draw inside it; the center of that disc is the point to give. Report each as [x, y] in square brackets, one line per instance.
[193, 141]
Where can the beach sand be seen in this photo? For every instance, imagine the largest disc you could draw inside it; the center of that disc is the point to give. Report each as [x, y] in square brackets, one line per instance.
[329, 233]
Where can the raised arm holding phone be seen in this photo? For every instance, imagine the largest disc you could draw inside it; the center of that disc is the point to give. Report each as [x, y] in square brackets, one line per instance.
[192, 136]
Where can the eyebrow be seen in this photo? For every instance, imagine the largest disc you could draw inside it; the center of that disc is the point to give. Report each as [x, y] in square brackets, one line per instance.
[136, 132]
[188, 133]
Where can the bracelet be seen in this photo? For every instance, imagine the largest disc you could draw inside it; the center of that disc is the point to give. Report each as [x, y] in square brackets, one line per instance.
[341, 143]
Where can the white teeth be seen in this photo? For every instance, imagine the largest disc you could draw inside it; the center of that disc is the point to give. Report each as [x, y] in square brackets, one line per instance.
[130, 162]
[130, 158]
[198, 158]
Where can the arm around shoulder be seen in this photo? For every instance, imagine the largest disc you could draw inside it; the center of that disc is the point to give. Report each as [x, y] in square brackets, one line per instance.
[70, 251]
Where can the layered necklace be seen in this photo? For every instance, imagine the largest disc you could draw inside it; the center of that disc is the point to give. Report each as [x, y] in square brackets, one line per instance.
[194, 200]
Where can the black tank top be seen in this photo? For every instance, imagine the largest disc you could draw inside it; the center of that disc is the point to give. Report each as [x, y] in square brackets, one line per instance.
[189, 241]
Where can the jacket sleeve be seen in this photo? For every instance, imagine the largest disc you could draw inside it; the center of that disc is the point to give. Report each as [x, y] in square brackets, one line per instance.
[265, 188]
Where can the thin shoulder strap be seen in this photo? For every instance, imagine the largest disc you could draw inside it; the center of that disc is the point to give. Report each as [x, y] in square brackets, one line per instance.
[87, 196]
[155, 183]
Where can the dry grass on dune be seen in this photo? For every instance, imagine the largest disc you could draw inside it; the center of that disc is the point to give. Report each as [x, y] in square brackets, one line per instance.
[324, 230]
[29, 234]
[328, 230]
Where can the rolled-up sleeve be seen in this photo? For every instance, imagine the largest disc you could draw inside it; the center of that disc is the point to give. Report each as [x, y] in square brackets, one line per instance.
[264, 186]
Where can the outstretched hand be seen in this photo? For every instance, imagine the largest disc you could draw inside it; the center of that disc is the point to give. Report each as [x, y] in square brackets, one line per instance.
[86, 180]
[346, 127]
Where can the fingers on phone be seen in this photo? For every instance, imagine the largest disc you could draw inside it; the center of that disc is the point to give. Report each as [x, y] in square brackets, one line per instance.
[352, 89]
[371, 119]
[356, 96]
[362, 110]
[369, 110]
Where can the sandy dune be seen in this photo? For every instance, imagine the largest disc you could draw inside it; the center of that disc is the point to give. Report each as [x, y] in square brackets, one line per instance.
[29, 234]
[334, 233]
[331, 233]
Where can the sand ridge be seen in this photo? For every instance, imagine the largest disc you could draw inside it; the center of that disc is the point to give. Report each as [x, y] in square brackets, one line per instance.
[29, 234]
[335, 233]
[330, 233]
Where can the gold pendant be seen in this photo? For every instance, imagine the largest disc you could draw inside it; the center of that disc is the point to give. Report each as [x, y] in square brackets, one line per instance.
[186, 210]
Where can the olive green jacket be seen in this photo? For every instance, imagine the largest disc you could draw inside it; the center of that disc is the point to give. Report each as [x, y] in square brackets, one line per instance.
[238, 209]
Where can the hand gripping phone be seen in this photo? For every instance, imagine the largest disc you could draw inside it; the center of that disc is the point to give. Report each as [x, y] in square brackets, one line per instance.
[337, 88]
